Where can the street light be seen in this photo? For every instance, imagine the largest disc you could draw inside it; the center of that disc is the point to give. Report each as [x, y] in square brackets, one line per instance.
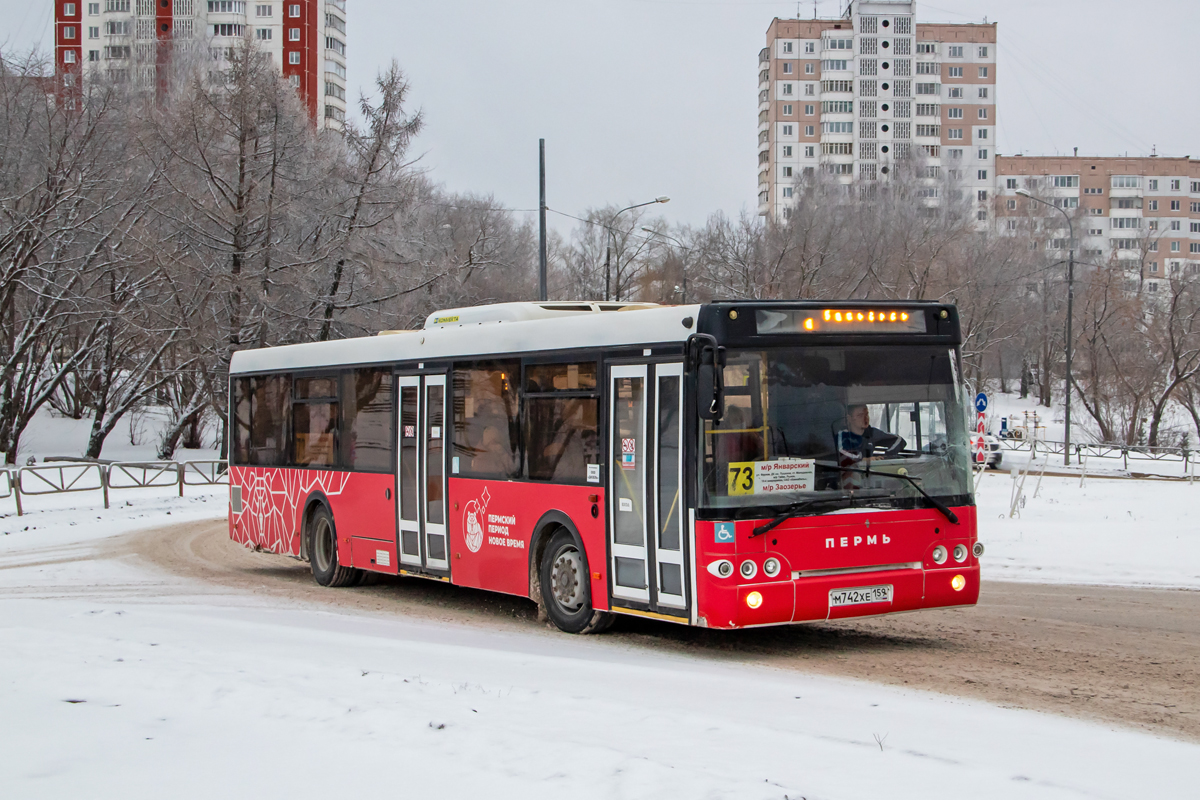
[682, 247]
[608, 252]
[1070, 306]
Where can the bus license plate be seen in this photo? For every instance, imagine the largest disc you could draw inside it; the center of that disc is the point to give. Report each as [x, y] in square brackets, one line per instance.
[860, 595]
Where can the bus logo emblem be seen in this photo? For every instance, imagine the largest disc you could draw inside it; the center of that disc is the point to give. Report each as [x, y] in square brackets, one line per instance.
[723, 533]
[473, 521]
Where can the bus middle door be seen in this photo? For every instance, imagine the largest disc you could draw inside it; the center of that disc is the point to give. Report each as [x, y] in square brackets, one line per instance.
[646, 534]
[421, 472]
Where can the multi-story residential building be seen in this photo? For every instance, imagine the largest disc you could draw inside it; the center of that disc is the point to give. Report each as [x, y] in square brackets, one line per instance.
[133, 40]
[1144, 213]
[856, 95]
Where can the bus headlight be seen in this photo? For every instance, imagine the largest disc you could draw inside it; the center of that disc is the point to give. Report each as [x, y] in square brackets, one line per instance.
[722, 568]
[939, 555]
[771, 567]
[957, 583]
[749, 569]
[960, 553]
[978, 549]
[754, 599]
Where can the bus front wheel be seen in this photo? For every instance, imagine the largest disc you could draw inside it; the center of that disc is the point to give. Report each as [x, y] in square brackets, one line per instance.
[323, 552]
[565, 588]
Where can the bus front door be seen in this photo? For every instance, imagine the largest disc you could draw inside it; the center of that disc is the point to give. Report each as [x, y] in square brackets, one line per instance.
[646, 534]
[421, 471]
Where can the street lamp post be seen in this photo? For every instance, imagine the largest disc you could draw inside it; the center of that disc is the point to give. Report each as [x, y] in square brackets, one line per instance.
[682, 247]
[1070, 308]
[608, 252]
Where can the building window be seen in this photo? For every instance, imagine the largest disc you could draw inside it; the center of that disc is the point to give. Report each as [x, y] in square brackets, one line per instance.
[1065, 181]
[810, 151]
[294, 58]
[787, 110]
[787, 172]
[264, 11]
[810, 68]
[293, 34]
[787, 69]
[1175, 205]
[982, 155]
[929, 68]
[787, 88]
[68, 31]
[69, 57]
[94, 32]
[68, 9]
[981, 133]
[93, 55]
[787, 151]
[294, 11]
[787, 191]
[956, 72]
[1012, 205]
[229, 30]
[809, 109]
[981, 175]
[955, 93]
[1126, 203]
[263, 34]
[1010, 183]
[954, 113]
[983, 52]
[93, 8]
[1154, 184]
[787, 130]
[809, 130]
[1174, 247]
[810, 47]
[983, 113]
[835, 65]
[956, 51]
[1175, 186]
[983, 93]
[787, 47]
[294, 80]
[1126, 182]
[983, 72]
[954, 133]
[926, 49]
[1176, 225]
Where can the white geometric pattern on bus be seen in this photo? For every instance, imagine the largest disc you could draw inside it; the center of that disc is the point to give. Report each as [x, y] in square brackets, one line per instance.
[272, 499]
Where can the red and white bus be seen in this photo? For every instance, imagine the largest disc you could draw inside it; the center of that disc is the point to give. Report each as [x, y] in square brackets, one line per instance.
[726, 465]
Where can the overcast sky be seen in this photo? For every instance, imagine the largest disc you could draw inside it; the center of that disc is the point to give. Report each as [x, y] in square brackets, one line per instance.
[639, 98]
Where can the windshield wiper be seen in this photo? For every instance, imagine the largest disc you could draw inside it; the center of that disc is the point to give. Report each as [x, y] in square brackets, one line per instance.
[792, 510]
[938, 504]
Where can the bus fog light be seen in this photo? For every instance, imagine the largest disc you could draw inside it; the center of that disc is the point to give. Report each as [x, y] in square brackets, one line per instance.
[771, 567]
[754, 599]
[957, 583]
[721, 569]
[960, 553]
[749, 569]
[978, 549]
[939, 555]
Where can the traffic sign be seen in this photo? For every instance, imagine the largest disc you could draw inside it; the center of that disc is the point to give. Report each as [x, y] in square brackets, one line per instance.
[981, 402]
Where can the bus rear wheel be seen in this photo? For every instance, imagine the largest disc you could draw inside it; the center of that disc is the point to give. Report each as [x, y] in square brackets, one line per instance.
[323, 552]
[565, 588]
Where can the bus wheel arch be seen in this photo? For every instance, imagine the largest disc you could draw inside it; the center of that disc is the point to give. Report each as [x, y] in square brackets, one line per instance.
[311, 503]
[557, 545]
[321, 534]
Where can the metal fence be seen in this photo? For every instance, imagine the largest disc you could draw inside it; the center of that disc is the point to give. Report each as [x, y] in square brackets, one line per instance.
[93, 476]
[1080, 450]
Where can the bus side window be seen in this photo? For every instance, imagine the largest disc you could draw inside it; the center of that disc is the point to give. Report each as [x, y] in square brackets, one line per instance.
[315, 422]
[242, 395]
[269, 411]
[368, 438]
[486, 420]
[562, 411]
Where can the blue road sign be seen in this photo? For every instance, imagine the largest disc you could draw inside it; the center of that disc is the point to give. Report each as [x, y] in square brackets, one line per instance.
[981, 402]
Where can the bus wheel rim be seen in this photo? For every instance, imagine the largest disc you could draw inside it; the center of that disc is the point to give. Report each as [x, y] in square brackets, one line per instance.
[566, 580]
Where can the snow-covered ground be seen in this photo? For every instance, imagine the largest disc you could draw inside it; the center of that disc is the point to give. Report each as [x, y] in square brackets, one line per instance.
[1112, 532]
[124, 683]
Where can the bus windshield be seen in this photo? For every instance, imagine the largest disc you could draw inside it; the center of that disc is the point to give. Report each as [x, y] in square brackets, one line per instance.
[813, 423]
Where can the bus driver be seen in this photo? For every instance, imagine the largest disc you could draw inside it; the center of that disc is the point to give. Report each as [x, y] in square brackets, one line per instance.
[852, 443]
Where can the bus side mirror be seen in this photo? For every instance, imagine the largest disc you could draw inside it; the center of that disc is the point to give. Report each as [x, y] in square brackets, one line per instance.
[709, 360]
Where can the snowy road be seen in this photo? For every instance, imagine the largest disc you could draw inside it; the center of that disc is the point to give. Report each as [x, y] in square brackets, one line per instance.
[193, 688]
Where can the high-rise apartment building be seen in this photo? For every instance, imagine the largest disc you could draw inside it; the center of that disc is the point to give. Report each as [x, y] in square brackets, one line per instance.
[855, 95]
[1142, 212]
[133, 40]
